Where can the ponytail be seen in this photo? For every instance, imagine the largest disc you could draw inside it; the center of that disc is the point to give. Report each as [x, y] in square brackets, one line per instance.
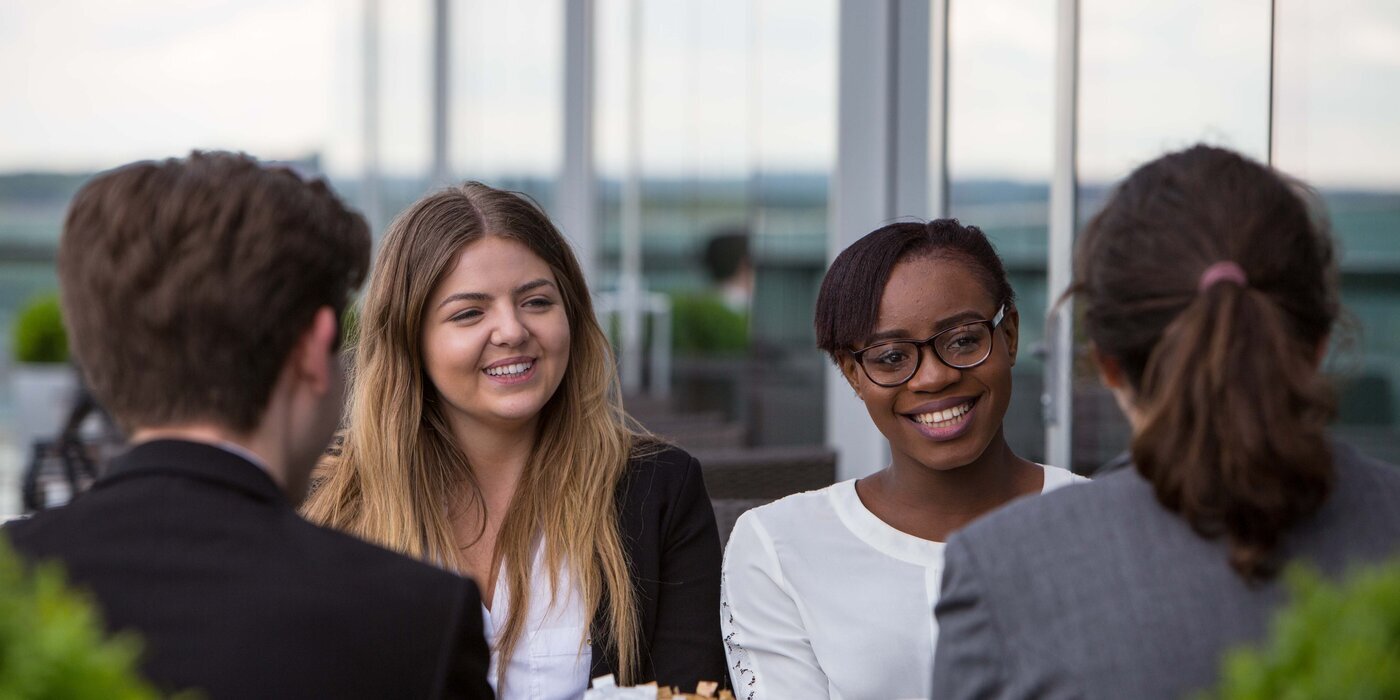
[1233, 418]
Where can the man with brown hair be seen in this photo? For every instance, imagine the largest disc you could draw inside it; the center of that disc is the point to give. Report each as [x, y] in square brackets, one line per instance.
[202, 297]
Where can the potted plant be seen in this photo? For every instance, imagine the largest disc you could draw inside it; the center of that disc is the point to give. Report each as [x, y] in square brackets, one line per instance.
[1331, 641]
[44, 382]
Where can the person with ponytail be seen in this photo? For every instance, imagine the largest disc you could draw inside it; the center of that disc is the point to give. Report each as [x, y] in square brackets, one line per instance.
[1209, 292]
[486, 436]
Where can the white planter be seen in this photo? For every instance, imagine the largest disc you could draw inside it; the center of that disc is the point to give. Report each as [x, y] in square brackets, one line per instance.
[43, 396]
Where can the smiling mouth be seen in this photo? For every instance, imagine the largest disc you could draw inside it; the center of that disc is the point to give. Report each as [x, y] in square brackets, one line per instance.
[510, 371]
[946, 418]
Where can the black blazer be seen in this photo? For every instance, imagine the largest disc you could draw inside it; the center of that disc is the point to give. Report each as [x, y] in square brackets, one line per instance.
[234, 593]
[672, 546]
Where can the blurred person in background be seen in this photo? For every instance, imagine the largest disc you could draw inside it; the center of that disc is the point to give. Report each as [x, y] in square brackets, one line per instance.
[715, 321]
[830, 593]
[1209, 291]
[486, 435]
[202, 297]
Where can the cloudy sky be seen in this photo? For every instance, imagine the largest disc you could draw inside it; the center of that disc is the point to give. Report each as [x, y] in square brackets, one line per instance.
[728, 85]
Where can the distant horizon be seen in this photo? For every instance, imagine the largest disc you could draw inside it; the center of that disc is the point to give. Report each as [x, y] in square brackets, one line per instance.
[672, 177]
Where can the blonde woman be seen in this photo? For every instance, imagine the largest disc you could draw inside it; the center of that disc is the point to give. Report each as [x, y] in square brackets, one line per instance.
[486, 435]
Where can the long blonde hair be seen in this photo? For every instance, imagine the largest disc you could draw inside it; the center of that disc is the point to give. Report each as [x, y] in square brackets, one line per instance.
[394, 479]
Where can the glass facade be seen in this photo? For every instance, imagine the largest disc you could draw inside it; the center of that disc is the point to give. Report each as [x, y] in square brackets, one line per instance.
[725, 142]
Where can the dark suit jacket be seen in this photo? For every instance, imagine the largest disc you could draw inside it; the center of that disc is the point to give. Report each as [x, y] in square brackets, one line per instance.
[199, 551]
[673, 547]
[1096, 591]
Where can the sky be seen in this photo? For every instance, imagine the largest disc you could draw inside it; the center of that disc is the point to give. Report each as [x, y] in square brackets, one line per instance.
[729, 86]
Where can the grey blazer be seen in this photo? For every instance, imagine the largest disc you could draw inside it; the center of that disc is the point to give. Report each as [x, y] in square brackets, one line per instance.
[1096, 591]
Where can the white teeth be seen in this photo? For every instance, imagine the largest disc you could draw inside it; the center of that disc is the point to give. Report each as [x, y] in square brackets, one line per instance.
[508, 370]
[945, 417]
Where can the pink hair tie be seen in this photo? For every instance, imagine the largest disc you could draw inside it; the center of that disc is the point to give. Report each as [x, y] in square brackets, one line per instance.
[1223, 271]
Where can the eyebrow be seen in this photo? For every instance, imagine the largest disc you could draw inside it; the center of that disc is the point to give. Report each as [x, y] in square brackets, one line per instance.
[942, 325]
[482, 296]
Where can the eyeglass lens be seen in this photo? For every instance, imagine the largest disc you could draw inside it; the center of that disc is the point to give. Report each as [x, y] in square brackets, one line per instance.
[960, 347]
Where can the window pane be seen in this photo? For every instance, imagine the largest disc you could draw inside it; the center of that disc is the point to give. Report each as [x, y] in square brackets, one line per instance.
[737, 136]
[1001, 82]
[1156, 77]
[92, 85]
[507, 93]
[1336, 101]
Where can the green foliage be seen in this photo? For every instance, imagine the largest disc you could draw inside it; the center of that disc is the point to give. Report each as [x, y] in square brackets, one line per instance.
[52, 645]
[39, 334]
[702, 325]
[1332, 641]
[350, 326]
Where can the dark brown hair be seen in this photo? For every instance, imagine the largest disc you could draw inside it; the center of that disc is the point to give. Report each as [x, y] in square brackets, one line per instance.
[1233, 409]
[849, 301]
[186, 282]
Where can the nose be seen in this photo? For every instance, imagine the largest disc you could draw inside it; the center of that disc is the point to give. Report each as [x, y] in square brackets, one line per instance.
[933, 375]
[509, 331]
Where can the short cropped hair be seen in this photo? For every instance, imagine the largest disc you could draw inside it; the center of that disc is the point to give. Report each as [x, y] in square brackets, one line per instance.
[186, 282]
[849, 301]
[725, 252]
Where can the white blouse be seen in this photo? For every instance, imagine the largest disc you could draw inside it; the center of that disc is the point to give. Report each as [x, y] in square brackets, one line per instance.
[821, 598]
[552, 658]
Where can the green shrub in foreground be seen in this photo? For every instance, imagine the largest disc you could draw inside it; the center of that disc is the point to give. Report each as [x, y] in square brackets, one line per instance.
[1331, 641]
[52, 645]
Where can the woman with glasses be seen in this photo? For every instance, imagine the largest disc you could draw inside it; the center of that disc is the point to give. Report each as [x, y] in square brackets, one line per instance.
[830, 593]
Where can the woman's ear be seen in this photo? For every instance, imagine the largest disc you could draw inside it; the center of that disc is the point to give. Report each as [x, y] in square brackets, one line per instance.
[850, 369]
[1011, 326]
[1110, 370]
[1113, 376]
[1321, 353]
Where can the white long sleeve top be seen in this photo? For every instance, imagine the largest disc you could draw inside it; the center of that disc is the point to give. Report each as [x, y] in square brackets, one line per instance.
[552, 659]
[820, 598]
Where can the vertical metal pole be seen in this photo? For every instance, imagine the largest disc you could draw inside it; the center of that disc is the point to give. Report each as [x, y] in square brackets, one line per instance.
[1057, 401]
[754, 213]
[1273, 79]
[910, 94]
[576, 203]
[442, 170]
[630, 282]
[369, 180]
[938, 110]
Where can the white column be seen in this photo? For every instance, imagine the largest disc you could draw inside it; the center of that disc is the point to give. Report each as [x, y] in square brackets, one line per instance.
[909, 96]
[441, 168]
[938, 110]
[575, 208]
[881, 171]
[1057, 401]
[369, 178]
[630, 287]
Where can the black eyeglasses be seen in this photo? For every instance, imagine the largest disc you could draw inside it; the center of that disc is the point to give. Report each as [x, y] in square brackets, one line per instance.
[895, 362]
